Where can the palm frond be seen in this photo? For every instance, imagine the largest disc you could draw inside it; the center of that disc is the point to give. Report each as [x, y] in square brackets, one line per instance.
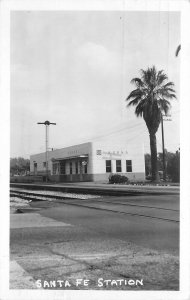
[163, 104]
[139, 109]
[134, 93]
[170, 90]
[161, 78]
[137, 81]
[160, 73]
[135, 101]
[167, 94]
[177, 50]
[168, 84]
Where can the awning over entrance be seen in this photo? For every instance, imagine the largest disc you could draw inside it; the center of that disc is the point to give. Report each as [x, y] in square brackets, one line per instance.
[69, 158]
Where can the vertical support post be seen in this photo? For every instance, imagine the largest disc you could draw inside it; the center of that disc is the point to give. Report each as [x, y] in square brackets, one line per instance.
[47, 126]
[163, 150]
[47, 123]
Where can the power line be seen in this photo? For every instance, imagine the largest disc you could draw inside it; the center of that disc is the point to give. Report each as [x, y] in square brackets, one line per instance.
[133, 127]
[128, 140]
[117, 131]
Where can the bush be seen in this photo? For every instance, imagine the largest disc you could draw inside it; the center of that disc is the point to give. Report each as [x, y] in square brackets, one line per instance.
[116, 178]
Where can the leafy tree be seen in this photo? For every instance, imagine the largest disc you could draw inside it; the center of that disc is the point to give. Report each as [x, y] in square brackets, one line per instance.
[152, 99]
[172, 164]
[160, 159]
[19, 165]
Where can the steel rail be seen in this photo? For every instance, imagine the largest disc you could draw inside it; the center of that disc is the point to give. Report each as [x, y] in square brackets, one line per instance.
[95, 199]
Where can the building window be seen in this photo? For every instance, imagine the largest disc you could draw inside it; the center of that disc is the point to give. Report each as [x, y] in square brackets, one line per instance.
[70, 166]
[108, 166]
[55, 169]
[62, 167]
[118, 165]
[128, 165]
[85, 168]
[76, 167]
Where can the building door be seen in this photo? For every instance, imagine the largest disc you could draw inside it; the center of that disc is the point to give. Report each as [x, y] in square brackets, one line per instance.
[35, 169]
[81, 170]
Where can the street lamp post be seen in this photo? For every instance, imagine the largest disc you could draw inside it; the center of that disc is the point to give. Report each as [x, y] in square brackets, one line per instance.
[46, 123]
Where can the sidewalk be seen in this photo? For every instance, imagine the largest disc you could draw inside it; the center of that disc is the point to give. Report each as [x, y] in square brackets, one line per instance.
[44, 250]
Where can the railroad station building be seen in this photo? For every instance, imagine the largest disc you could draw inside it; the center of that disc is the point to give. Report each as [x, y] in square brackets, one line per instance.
[92, 161]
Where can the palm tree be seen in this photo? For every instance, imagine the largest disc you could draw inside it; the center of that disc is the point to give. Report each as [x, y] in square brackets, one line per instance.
[152, 99]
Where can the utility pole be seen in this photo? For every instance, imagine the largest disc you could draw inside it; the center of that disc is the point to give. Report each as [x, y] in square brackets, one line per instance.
[163, 147]
[163, 150]
[46, 123]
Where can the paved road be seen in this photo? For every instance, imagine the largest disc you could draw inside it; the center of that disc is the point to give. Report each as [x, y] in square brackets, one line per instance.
[112, 236]
[142, 230]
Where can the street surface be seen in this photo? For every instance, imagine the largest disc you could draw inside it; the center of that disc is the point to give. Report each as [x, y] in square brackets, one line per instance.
[117, 238]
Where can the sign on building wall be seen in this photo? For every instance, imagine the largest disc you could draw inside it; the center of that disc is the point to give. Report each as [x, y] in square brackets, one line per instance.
[111, 154]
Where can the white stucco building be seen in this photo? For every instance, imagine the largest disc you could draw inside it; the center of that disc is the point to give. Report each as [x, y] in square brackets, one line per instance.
[93, 161]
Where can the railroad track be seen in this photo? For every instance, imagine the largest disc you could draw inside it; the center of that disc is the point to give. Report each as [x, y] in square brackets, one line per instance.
[81, 203]
[27, 194]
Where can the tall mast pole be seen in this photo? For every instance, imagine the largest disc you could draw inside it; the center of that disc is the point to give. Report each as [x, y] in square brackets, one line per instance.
[46, 152]
[46, 123]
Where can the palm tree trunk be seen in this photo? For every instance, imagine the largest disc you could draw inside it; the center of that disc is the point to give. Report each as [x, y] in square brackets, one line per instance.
[154, 163]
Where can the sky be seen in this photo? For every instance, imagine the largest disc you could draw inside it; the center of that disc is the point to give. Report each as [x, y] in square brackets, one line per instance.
[75, 67]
